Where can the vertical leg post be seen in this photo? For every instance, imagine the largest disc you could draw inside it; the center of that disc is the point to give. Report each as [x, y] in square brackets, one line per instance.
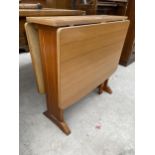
[49, 59]
[104, 87]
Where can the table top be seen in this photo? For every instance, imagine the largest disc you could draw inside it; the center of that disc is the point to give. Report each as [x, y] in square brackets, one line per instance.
[49, 12]
[74, 20]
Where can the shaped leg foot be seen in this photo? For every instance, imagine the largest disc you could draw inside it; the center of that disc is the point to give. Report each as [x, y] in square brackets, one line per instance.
[61, 124]
[104, 87]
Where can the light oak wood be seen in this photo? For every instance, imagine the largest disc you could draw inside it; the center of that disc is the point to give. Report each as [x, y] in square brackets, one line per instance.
[77, 59]
[74, 20]
[33, 41]
[32, 37]
[87, 57]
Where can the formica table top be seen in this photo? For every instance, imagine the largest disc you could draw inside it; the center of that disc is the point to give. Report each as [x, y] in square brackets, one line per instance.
[74, 20]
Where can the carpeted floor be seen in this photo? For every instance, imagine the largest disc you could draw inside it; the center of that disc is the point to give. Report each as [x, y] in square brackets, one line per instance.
[114, 114]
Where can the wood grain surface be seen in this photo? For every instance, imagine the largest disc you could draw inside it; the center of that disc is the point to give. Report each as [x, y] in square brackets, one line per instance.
[88, 57]
[23, 13]
[74, 20]
[49, 12]
[49, 58]
[33, 41]
[75, 60]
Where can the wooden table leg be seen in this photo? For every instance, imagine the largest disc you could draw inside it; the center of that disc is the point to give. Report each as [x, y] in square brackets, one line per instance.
[47, 39]
[104, 87]
[58, 120]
